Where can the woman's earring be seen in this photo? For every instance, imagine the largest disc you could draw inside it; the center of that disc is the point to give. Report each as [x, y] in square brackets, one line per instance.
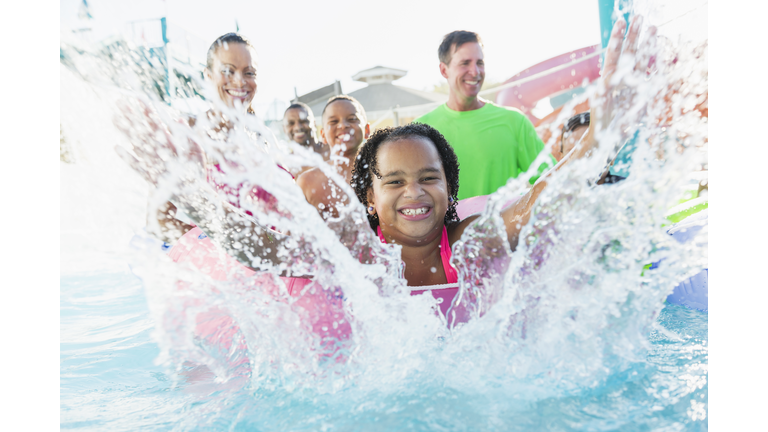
[450, 199]
[370, 210]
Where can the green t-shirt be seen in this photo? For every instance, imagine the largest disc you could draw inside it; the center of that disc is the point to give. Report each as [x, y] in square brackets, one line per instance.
[492, 143]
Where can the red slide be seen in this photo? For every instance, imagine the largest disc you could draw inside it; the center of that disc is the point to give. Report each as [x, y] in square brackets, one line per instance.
[525, 95]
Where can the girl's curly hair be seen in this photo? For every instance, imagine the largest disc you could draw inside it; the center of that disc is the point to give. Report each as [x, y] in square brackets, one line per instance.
[366, 163]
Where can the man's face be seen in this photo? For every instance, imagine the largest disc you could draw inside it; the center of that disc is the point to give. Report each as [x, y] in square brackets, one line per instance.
[466, 71]
[298, 125]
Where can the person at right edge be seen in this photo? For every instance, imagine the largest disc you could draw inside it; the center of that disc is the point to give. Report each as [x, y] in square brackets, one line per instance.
[493, 143]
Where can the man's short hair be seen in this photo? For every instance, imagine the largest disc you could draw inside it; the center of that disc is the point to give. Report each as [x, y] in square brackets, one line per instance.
[300, 105]
[354, 102]
[457, 38]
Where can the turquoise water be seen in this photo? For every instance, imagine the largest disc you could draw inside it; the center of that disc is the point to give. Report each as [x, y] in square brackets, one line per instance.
[109, 381]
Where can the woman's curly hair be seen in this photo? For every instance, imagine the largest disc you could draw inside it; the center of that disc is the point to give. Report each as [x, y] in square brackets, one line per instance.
[366, 163]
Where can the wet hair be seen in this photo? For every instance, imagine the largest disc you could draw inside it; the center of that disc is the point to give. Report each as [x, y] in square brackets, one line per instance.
[581, 119]
[350, 99]
[366, 163]
[457, 38]
[228, 38]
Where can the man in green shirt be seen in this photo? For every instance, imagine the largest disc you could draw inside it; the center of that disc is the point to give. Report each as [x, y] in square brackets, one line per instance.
[492, 143]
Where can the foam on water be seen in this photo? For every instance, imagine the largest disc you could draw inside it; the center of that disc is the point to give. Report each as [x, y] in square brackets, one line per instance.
[567, 331]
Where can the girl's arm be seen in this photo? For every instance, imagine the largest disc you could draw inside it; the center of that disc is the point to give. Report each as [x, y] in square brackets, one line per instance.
[517, 216]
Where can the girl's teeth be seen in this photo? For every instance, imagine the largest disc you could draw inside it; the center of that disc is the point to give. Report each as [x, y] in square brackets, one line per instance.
[414, 212]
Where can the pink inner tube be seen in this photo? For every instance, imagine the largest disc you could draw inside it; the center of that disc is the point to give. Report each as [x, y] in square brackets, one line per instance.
[322, 308]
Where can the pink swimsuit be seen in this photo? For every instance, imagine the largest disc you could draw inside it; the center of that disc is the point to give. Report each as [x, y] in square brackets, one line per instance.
[445, 292]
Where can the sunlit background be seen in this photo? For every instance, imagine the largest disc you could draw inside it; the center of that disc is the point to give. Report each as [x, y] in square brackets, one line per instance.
[321, 42]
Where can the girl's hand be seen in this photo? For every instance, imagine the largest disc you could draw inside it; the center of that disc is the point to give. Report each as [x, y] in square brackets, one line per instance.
[625, 69]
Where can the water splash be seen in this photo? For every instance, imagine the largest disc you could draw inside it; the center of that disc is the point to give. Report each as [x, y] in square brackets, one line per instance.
[568, 310]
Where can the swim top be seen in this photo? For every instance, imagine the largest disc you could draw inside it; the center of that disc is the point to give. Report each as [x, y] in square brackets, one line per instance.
[445, 255]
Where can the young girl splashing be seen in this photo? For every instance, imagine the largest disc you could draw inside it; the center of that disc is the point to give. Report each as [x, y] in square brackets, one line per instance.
[407, 179]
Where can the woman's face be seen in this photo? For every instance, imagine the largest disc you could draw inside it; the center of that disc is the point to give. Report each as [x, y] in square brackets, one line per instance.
[411, 197]
[234, 74]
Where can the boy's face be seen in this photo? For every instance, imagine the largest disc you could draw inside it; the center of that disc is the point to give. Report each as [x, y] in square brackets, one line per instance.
[466, 71]
[343, 126]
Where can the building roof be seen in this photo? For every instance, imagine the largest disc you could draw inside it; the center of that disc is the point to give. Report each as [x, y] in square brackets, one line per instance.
[379, 75]
[320, 95]
[380, 97]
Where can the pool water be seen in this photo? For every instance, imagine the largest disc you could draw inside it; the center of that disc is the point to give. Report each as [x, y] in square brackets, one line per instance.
[110, 381]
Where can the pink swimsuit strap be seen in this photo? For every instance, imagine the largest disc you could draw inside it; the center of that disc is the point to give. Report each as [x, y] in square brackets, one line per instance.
[445, 255]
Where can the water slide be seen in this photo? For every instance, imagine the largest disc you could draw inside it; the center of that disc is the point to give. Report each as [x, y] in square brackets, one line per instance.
[566, 73]
[571, 70]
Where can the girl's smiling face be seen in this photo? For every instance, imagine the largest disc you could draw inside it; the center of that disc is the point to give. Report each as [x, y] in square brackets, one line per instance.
[411, 197]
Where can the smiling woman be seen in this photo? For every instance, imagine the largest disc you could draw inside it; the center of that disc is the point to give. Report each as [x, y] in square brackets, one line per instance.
[231, 66]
